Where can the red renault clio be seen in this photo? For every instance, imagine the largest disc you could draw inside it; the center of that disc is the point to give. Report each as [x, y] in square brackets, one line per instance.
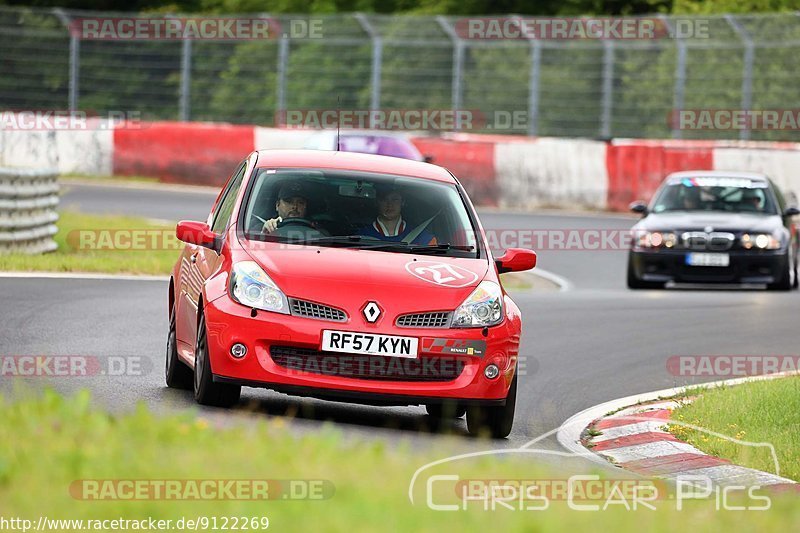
[347, 277]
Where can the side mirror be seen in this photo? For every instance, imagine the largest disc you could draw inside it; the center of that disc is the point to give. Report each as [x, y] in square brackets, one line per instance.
[516, 260]
[638, 207]
[791, 212]
[428, 159]
[197, 233]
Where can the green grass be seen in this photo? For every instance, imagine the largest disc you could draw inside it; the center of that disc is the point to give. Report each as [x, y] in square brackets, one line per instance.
[90, 243]
[760, 411]
[66, 178]
[48, 442]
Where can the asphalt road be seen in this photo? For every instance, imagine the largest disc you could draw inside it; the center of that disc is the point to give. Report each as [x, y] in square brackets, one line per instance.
[593, 343]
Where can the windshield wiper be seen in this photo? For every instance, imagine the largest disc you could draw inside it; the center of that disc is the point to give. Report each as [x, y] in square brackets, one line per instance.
[439, 248]
[355, 241]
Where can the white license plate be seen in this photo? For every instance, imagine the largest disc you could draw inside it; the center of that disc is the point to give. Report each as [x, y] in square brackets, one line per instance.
[369, 344]
[708, 260]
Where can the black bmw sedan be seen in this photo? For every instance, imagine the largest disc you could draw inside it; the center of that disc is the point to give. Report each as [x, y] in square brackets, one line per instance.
[715, 227]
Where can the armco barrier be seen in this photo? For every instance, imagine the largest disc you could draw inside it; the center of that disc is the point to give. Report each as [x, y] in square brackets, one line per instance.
[28, 201]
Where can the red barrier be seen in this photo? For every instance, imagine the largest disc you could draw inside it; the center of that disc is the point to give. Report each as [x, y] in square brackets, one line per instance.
[637, 168]
[471, 161]
[184, 152]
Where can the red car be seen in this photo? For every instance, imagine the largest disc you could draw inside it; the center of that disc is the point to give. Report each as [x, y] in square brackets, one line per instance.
[350, 277]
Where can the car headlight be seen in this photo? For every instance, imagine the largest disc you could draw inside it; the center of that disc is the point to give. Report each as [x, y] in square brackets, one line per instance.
[760, 241]
[484, 307]
[251, 286]
[656, 239]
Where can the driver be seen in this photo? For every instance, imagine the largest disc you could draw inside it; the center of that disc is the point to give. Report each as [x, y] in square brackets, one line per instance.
[389, 225]
[751, 200]
[292, 203]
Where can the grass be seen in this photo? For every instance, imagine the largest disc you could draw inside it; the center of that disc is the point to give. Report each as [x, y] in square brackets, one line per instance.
[759, 411]
[93, 243]
[48, 442]
[108, 179]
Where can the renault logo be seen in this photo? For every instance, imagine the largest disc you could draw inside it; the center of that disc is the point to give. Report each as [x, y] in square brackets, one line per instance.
[371, 312]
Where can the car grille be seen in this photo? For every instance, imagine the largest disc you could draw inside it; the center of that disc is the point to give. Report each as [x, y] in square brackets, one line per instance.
[318, 311]
[713, 241]
[371, 367]
[424, 320]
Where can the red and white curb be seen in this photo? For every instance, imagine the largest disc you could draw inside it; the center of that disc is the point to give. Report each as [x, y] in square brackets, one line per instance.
[635, 438]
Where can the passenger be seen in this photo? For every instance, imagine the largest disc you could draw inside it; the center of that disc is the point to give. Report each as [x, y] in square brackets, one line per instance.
[389, 225]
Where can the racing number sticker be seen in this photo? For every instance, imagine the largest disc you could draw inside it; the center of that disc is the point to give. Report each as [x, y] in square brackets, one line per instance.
[441, 273]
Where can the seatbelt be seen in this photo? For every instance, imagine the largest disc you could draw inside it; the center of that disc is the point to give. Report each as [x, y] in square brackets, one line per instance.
[416, 232]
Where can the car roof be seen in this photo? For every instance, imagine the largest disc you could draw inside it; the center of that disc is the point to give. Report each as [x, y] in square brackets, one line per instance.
[755, 176]
[352, 161]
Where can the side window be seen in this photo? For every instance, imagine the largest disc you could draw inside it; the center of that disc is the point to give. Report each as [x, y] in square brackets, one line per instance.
[225, 207]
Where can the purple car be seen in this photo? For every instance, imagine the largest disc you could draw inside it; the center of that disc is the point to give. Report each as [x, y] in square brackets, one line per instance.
[367, 142]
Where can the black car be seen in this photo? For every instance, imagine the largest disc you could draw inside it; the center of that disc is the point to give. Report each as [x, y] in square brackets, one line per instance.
[715, 227]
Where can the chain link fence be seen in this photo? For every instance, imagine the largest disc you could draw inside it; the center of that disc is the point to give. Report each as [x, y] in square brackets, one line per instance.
[596, 88]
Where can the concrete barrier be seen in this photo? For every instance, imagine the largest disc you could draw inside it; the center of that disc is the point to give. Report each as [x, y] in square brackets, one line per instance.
[508, 171]
[28, 202]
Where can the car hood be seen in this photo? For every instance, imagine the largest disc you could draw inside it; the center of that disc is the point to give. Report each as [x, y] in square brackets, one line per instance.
[348, 278]
[733, 222]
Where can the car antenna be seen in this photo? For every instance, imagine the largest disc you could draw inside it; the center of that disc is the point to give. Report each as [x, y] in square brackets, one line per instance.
[338, 119]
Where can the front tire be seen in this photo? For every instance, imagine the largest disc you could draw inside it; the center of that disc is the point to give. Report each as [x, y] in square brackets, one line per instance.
[177, 374]
[206, 392]
[497, 420]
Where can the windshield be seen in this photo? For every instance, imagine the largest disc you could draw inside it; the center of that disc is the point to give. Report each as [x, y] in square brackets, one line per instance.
[738, 195]
[322, 207]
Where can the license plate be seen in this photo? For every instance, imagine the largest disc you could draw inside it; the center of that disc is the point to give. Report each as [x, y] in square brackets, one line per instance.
[708, 260]
[369, 344]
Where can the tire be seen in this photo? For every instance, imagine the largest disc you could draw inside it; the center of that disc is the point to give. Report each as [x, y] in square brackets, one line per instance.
[206, 392]
[497, 420]
[176, 373]
[636, 283]
[445, 410]
[785, 282]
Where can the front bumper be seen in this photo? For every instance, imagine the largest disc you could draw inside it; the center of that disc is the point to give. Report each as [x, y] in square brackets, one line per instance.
[746, 266]
[228, 322]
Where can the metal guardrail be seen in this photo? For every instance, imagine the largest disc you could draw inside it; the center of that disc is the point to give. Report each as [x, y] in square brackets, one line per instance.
[28, 202]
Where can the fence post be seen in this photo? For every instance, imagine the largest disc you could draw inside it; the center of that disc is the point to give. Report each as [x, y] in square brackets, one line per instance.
[458, 68]
[377, 56]
[747, 70]
[608, 89]
[186, 80]
[74, 59]
[283, 63]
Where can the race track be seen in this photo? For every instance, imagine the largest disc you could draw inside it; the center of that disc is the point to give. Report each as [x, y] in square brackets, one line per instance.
[593, 343]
